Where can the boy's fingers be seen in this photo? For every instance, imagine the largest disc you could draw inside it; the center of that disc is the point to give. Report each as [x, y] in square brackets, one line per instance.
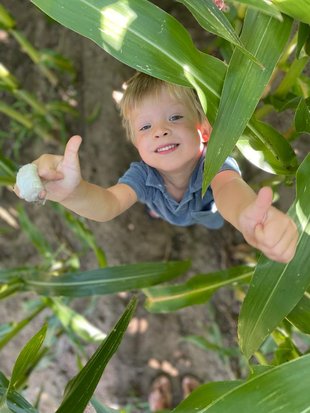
[262, 203]
[72, 149]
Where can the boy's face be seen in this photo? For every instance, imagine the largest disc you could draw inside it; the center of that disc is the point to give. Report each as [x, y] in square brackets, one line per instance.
[166, 133]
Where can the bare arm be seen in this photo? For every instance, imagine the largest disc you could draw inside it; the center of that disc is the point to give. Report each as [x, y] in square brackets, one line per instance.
[100, 204]
[262, 225]
[63, 183]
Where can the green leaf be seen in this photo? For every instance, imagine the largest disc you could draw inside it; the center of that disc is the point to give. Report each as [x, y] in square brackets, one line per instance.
[299, 10]
[127, 30]
[300, 316]
[106, 280]
[302, 116]
[207, 345]
[244, 84]
[214, 20]
[303, 36]
[100, 408]
[204, 395]
[80, 389]
[295, 70]
[26, 357]
[197, 290]
[272, 153]
[262, 6]
[15, 403]
[74, 322]
[143, 36]
[6, 20]
[284, 388]
[12, 402]
[277, 288]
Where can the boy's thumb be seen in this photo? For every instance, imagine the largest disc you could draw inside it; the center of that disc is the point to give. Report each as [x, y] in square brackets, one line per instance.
[262, 203]
[72, 149]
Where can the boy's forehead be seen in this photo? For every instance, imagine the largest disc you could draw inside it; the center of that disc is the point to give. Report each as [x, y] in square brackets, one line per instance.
[161, 96]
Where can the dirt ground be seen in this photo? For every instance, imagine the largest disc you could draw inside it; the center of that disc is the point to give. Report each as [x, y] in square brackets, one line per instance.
[153, 342]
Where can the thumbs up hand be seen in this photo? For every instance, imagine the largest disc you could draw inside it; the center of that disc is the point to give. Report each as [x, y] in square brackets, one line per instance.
[268, 229]
[60, 175]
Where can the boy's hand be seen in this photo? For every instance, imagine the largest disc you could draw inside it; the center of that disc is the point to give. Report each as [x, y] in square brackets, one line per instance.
[268, 229]
[60, 174]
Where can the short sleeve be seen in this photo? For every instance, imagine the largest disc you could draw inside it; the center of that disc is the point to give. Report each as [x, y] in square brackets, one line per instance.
[135, 177]
[230, 164]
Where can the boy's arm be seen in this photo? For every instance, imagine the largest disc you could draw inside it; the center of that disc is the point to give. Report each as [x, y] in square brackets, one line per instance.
[61, 177]
[100, 204]
[263, 226]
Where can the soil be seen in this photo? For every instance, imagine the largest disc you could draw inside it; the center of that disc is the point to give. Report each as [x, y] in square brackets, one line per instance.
[154, 342]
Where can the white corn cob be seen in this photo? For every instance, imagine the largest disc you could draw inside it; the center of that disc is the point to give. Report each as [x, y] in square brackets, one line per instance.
[29, 182]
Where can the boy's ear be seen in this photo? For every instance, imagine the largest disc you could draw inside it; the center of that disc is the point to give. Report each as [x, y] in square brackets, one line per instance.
[205, 130]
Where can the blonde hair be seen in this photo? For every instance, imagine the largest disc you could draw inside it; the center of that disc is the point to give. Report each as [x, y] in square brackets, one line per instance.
[142, 85]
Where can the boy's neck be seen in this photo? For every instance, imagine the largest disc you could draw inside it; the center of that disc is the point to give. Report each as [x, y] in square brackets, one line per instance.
[177, 183]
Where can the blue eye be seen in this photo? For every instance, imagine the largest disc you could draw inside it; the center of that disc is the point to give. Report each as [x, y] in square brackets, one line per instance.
[145, 127]
[175, 117]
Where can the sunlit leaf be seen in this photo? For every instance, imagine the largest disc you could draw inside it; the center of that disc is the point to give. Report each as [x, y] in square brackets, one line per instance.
[80, 389]
[272, 153]
[122, 27]
[277, 288]
[74, 322]
[244, 84]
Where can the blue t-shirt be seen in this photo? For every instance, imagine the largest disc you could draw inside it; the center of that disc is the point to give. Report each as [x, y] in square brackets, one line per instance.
[192, 209]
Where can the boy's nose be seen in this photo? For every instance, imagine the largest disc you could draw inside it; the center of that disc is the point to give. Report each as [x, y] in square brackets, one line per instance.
[161, 132]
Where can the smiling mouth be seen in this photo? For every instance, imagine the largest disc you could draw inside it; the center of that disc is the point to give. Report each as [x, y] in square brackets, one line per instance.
[167, 148]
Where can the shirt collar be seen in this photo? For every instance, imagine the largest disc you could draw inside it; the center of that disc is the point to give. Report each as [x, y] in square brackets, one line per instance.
[154, 178]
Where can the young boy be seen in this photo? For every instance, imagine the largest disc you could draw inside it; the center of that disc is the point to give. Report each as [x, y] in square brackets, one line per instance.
[169, 129]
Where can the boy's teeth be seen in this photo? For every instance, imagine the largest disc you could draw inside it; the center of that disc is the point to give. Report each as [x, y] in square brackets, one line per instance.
[166, 148]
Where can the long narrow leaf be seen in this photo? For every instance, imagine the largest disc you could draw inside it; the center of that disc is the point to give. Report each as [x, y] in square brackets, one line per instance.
[284, 388]
[143, 36]
[196, 290]
[300, 316]
[106, 280]
[299, 10]
[214, 20]
[80, 390]
[265, 37]
[148, 39]
[26, 357]
[74, 322]
[272, 153]
[264, 6]
[204, 395]
[277, 288]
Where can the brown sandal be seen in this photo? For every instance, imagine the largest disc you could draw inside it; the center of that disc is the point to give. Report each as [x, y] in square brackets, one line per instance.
[160, 396]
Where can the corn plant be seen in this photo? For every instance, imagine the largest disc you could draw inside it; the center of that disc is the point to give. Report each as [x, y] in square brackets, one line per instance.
[261, 73]
[80, 389]
[28, 114]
